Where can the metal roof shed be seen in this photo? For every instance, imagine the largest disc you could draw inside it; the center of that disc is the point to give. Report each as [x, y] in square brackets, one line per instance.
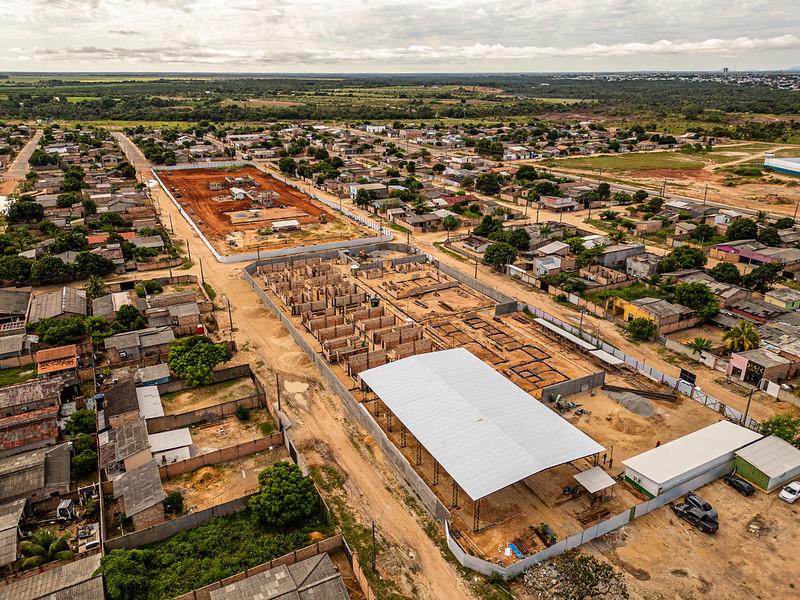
[769, 463]
[687, 457]
[484, 430]
[594, 480]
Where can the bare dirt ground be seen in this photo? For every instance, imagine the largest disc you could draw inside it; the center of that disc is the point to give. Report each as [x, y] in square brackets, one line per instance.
[208, 486]
[208, 395]
[229, 432]
[9, 179]
[665, 558]
[319, 225]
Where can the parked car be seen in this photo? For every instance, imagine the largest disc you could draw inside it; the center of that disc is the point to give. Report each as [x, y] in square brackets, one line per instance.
[791, 492]
[696, 517]
[693, 499]
[739, 484]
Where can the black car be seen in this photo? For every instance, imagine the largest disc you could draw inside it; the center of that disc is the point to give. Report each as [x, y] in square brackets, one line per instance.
[696, 501]
[739, 484]
[696, 517]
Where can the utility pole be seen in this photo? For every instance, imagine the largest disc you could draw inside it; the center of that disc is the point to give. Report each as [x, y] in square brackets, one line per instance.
[794, 216]
[189, 249]
[373, 546]
[230, 315]
[278, 389]
[171, 228]
[747, 408]
[202, 277]
[705, 196]
[476, 268]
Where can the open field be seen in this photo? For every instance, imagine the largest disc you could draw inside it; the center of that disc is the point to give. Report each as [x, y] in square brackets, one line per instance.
[244, 225]
[230, 431]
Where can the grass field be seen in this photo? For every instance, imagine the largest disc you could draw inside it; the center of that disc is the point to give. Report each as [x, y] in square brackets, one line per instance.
[624, 163]
[74, 99]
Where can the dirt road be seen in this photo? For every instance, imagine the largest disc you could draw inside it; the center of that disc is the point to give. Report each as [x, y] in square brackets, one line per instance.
[19, 166]
[321, 420]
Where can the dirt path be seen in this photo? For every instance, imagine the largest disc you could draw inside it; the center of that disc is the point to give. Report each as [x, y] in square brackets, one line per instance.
[267, 345]
[19, 166]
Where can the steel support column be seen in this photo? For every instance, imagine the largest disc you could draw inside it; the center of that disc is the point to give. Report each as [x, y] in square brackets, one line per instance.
[435, 472]
[476, 516]
[402, 436]
[419, 453]
[454, 503]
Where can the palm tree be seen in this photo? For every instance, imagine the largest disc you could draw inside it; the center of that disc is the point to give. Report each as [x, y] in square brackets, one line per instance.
[761, 216]
[44, 547]
[95, 287]
[700, 344]
[742, 337]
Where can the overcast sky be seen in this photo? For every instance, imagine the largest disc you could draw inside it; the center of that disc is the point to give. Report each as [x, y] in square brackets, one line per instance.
[397, 35]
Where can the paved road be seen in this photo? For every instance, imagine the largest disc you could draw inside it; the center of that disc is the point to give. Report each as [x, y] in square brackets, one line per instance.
[135, 156]
[19, 167]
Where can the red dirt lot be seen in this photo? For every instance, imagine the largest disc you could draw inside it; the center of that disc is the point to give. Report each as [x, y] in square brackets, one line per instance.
[211, 212]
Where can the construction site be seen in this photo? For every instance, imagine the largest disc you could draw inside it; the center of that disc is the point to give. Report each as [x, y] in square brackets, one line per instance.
[376, 317]
[243, 209]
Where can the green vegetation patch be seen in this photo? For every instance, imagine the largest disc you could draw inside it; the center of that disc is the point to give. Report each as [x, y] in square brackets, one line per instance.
[624, 163]
[17, 375]
[193, 559]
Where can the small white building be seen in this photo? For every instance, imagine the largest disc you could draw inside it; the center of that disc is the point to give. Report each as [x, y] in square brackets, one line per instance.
[687, 457]
[171, 446]
[769, 463]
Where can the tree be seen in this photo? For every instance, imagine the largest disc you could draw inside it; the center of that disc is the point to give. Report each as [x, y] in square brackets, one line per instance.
[95, 287]
[700, 344]
[129, 318]
[641, 329]
[173, 503]
[487, 226]
[287, 165]
[784, 223]
[769, 236]
[489, 183]
[761, 278]
[450, 223]
[90, 263]
[58, 332]
[69, 240]
[744, 336]
[68, 199]
[682, 257]
[127, 574]
[438, 168]
[500, 254]
[603, 191]
[82, 421]
[23, 210]
[50, 269]
[89, 207]
[193, 359]
[786, 426]
[726, 272]
[742, 229]
[702, 233]
[698, 297]
[43, 547]
[363, 198]
[526, 173]
[519, 238]
[285, 497]
[639, 196]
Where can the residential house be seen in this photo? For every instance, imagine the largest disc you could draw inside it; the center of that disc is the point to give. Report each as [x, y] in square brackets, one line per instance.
[617, 255]
[727, 294]
[557, 203]
[135, 345]
[642, 266]
[10, 531]
[142, 495]
[14, 304]
[31, 395]
[668, 317]
[61, 304]
[783, 297]
[56, 361]
[420, 223]
[751, 366]
[108, 305]
[36, 475]
[28, 430]
[476, 243]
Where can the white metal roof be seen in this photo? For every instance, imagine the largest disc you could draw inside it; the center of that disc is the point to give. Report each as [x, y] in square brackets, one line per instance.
[772, 456]
[149, 402]
[169, 440]
[565, 334]
[606, 357]
[484, 430]
[691, 451]
[595, 479]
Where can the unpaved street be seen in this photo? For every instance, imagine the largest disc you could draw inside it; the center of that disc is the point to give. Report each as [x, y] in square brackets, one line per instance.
[19, 167]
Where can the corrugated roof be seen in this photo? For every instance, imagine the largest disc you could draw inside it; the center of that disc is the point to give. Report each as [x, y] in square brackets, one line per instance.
[10, 514]
[484, 430]
[140, 488]
[681, 455]
[14, 301]
[149, 402]
[772, 456]
[56, 583]
[68, 301]
[30, 392]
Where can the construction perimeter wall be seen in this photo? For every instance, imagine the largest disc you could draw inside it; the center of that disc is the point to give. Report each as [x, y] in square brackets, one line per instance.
[355, 410]
[573, 386]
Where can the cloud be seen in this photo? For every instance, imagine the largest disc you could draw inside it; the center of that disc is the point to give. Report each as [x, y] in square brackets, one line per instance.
[403, 35]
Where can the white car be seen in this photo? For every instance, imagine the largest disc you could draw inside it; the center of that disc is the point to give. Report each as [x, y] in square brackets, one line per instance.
[791, 492]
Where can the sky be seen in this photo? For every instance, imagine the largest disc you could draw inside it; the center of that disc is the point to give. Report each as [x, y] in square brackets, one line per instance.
[340, 36]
